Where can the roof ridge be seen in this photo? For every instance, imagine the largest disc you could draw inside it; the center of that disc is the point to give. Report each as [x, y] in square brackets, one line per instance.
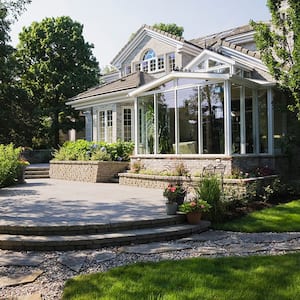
[173, 36]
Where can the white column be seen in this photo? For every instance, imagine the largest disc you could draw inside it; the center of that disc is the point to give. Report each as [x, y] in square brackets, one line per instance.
[95, 117]
[176, 123]
[227, 118]
[242, 121]
[155, 124]
[270, 121]
[136, 126]
[255, 122]
[200, 123]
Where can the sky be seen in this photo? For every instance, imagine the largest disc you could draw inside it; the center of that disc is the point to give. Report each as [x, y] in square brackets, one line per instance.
[108, 24]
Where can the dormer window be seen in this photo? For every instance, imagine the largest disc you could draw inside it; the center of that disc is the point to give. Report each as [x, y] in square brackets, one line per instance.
[150, 62]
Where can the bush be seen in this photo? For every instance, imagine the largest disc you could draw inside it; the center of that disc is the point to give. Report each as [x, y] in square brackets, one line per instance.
[209, 189]
[9, 164]
[84, 150]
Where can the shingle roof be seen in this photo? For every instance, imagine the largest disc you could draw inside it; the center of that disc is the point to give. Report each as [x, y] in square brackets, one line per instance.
[131, 81]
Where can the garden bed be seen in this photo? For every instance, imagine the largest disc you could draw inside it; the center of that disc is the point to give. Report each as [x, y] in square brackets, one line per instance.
[87, 171]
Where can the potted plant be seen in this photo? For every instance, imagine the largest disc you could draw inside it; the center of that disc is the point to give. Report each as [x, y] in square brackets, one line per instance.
[174, 193]
[194, 209]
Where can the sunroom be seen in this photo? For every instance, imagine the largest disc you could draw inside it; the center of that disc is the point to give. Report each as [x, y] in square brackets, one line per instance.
[212, 112]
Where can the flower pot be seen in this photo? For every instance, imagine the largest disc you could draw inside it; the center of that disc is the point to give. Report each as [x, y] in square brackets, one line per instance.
[193, 217]
[171, 208]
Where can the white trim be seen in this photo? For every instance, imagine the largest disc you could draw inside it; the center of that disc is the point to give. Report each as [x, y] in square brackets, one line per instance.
[242, 121]
[255, 123]
[270, 121]
[136, 126]
[132, 122]
[174, 75]
[227, 118]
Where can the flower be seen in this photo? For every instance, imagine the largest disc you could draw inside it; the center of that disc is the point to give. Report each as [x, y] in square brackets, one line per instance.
[194, 205]
[174, 191]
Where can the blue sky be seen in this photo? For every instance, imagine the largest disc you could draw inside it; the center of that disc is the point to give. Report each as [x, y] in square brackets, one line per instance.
[108, 24]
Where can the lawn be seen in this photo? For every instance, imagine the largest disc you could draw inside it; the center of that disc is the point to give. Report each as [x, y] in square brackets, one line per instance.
[230, 278]
[280, 218]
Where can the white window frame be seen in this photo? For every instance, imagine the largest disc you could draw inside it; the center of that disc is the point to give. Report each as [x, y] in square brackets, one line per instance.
[132, 122]
[106, 138]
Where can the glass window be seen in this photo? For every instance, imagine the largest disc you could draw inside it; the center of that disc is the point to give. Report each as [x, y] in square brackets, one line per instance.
[249, 121]
[212, 108]
[102, 126]
[263, 121]
[137, 67]
[109, 130]
[127, 124]
[160, 63]
[187, 100]
[166, 122]
[171, 61]
[152, 65]
[236, 118]
[149, 54]
[146, 124]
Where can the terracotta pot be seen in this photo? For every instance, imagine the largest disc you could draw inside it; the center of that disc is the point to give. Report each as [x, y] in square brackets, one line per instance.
[193, 217]
[171, 208]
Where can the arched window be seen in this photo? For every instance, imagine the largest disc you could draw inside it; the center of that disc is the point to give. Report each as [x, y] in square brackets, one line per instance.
[149, 54]
[150, 62]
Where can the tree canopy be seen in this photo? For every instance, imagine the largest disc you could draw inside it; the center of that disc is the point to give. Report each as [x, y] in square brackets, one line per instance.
[57, 64]
[279, 45]
[170, 28]
[14, 113]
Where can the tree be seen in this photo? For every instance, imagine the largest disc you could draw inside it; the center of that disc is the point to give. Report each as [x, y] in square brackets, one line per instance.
[14, 112]
[57, 65]
[279, 45]
[170, 28]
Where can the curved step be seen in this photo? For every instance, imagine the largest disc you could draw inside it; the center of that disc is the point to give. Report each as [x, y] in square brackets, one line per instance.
[71, 242]
[91, 228]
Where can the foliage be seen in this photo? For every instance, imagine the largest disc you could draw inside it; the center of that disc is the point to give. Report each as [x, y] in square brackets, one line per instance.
[84, 150]
[171, 28]
[223, 278]
[194, 205]
[174, 191]
[209, 189]
[9, 164]
[279, 45]
[57, 64]
[136, 167]
[280, 218]
[15, 120]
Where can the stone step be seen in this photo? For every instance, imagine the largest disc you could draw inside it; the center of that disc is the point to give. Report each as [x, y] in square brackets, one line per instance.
[112, 227]
[36, 172]
[72, 242]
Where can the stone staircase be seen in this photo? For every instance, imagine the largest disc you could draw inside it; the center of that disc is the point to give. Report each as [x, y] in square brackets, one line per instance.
[37, 171]
[64, 237]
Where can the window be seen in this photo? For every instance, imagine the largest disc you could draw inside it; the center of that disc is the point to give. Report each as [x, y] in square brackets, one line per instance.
[171, 61]
[127, 124]
[150, 63]
[106, 126]
[128, 70]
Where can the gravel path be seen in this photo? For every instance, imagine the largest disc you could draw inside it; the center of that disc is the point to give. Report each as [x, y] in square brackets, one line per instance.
[58, 266]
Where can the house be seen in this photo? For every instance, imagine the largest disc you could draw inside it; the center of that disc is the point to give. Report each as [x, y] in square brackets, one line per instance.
[200, 102]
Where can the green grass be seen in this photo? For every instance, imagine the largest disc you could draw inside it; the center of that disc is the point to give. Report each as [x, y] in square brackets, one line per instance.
[230, 278]
[280, 218]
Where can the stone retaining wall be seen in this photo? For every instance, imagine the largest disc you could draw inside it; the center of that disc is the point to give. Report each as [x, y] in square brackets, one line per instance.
[88, 171]
[238, 188]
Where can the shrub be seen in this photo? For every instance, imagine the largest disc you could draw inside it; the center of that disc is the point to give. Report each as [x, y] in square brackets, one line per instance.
[84, 150]
[209, 189]
[9, 164]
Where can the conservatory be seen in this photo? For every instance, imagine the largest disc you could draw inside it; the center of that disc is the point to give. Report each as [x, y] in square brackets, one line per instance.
[212, 110]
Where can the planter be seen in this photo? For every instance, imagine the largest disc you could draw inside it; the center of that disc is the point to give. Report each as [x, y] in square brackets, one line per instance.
[193, 217]
[171, 208]
[88, 171]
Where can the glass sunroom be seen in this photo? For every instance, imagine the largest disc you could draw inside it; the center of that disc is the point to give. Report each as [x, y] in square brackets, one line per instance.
[214, 109]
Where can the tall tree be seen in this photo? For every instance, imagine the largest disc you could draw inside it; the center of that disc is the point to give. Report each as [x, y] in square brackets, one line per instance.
[57, 64]
[170, 28]
[14, 112]
[279, 45]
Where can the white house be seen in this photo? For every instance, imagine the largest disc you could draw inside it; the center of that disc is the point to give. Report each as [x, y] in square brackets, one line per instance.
[201, 101]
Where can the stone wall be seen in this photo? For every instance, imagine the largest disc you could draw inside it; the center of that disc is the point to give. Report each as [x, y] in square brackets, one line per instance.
[88, 171]
[238, 188]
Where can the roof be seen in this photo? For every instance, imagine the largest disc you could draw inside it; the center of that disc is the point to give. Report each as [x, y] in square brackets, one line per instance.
[131, 81]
